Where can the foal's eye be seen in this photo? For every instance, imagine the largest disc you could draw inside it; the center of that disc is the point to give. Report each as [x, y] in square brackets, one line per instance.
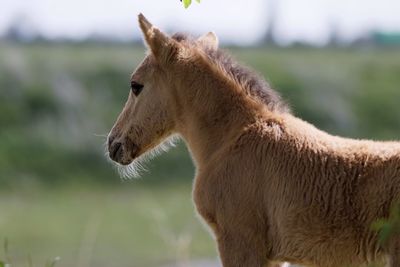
[136, 88]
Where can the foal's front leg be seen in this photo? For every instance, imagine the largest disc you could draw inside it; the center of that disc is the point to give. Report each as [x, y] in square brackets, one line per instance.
[239, 251]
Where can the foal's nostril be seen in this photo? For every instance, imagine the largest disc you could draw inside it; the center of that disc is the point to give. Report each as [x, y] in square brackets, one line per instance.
[115, 150]
[110, 140]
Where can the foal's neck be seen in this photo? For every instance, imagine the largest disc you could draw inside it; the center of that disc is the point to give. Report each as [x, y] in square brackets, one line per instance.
[213, 113]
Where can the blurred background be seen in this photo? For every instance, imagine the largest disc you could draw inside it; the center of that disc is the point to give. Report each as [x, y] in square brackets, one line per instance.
[64, 77]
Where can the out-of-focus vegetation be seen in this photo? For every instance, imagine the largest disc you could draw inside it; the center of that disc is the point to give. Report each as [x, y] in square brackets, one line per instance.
[134, 226]
[57, 104]
[60, 197]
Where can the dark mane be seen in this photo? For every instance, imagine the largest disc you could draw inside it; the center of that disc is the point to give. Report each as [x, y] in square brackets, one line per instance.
[252, 82]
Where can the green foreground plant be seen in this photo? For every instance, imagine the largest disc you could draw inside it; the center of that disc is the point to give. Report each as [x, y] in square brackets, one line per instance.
[388, 227]
[7, 262]
[187, 3]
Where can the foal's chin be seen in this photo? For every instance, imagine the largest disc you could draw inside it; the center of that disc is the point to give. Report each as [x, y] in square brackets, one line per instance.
[131, 167]
[125, 162]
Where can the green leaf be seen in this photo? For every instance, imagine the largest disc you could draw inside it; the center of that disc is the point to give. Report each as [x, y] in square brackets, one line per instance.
[378, 225]
[385, 233]
[2, 264]
[186, 3]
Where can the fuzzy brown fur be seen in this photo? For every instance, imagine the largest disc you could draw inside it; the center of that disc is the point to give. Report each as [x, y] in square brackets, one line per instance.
[272, 187]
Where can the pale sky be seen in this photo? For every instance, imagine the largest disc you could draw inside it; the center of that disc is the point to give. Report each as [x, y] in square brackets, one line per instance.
[239, 21]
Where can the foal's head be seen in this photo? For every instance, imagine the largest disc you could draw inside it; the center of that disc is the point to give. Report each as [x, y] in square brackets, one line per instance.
[148, 118]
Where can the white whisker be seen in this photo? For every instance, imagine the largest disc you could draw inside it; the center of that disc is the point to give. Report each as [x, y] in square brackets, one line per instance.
[101, 135]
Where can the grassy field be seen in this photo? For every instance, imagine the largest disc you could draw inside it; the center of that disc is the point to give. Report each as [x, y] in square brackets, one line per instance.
[60, 197]
[130, 225]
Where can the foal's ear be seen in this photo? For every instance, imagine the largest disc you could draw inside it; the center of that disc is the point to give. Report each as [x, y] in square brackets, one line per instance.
[160, 44]
[209, 40]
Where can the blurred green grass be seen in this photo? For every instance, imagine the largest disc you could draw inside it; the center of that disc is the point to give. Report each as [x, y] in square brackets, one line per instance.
[60, 197]
[128, 226]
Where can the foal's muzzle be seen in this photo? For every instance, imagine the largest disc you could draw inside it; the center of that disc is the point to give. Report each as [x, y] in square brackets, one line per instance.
[122, 152]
